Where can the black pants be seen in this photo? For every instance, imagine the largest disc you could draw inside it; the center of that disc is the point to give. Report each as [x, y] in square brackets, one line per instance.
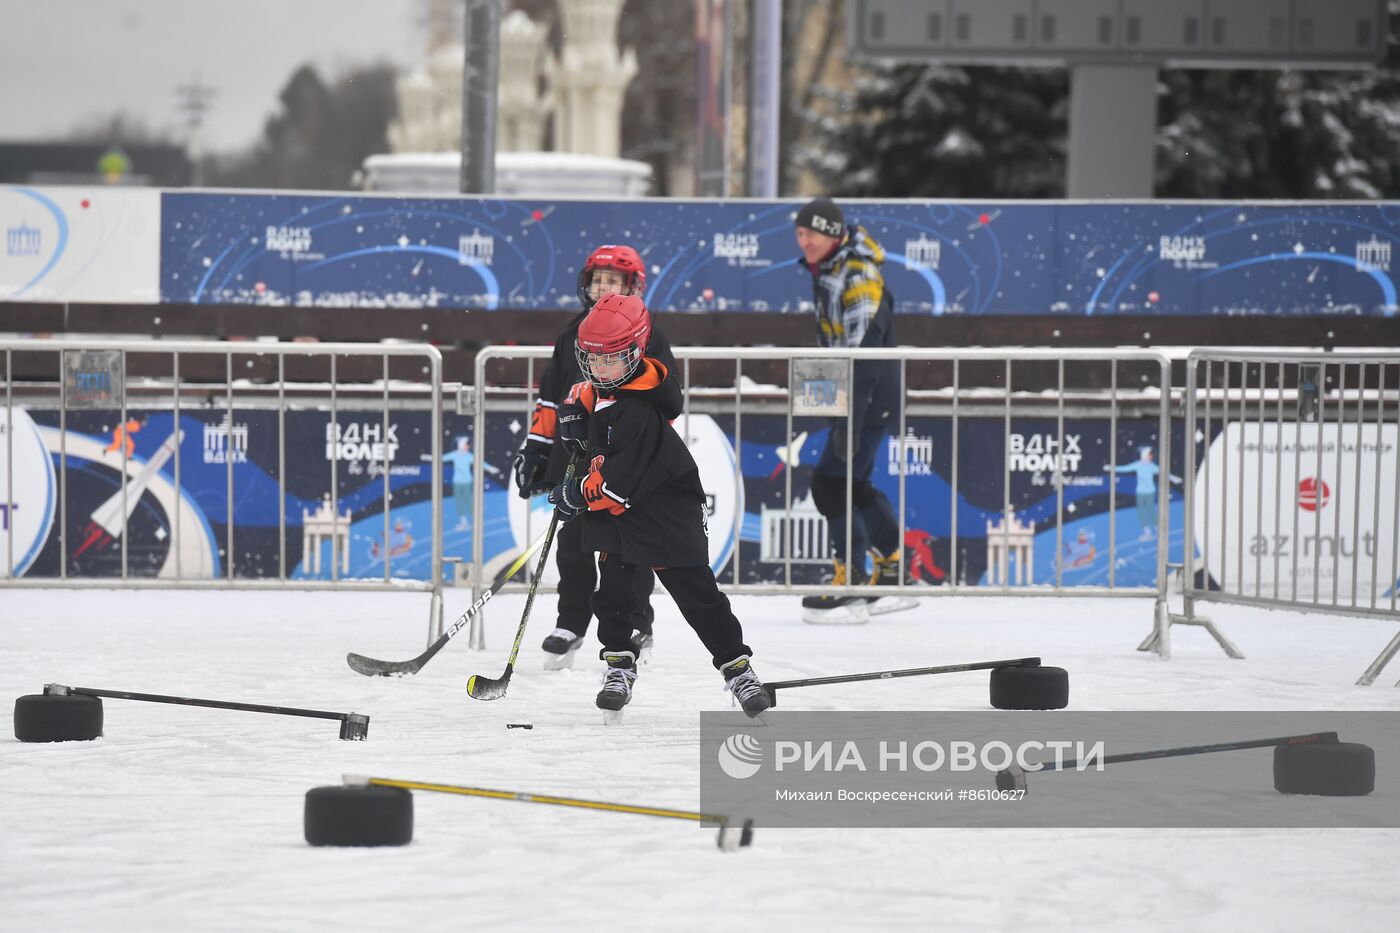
[578, 576]
[696, 595]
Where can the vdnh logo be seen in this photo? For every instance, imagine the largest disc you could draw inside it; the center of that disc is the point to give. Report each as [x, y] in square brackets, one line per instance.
[740, 756]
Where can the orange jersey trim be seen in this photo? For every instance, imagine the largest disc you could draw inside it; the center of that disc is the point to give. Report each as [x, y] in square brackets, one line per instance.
[596, 492]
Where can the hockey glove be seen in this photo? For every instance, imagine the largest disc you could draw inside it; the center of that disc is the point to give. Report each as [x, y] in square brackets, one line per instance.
[567, 499]
[573, 429]
[530, 466]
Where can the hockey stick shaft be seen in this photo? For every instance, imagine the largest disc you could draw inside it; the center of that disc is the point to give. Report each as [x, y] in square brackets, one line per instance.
[193, 701]
[486, 688]
[1320, 738]
[909, 672]
[373, 667]
[526, 797]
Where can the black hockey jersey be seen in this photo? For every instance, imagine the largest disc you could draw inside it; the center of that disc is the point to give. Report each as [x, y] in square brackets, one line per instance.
[560, 376]
[642, 486]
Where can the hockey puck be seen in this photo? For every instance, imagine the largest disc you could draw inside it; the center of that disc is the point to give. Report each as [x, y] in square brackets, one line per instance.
[1338, 769]
[44, 717]
[520, 725]
[358, 816]
[1029, 688]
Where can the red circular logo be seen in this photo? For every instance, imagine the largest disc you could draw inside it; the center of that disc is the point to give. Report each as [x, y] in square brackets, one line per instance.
[1313, 494]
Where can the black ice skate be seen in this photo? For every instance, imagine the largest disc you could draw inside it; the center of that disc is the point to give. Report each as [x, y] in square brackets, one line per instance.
[642, 643]
[837, 610]
[887, 574]
[560, 646]
[741, 681]
[617, 684]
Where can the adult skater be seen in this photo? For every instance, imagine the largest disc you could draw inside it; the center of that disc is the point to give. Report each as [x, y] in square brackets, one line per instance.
[539, 466]
[854, 309]
[640, 503]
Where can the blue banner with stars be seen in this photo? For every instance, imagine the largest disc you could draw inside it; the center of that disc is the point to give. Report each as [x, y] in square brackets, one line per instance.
[1046, 258]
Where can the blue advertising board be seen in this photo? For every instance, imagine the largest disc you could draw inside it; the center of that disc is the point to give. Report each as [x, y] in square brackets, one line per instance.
[169, 524]
[1042, 258]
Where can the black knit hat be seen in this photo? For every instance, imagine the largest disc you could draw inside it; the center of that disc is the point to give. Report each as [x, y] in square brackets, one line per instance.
[823, 216]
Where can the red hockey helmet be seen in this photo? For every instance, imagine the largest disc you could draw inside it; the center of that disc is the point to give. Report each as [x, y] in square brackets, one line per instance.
[612, 340]
[623, 259]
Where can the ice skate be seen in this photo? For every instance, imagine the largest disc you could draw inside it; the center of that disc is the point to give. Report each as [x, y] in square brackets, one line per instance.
[559, 647]
[744, 684]
[837, 610]
[617, 685]
[642, 643]
[887, 574]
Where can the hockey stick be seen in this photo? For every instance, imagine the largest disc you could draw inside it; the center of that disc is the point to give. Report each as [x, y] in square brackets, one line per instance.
[746, 833]
[489, 688]
[372, 667]
[353, 726]
[1014, 777]
[773, 686]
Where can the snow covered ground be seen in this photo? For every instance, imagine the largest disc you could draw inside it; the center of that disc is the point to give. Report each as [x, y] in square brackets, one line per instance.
[182, 818]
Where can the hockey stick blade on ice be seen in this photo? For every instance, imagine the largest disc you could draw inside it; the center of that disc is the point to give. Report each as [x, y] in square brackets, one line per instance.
[493, 688]
[373, 667]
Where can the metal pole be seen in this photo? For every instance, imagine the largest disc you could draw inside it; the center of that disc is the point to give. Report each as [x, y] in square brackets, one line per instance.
[10, 465]
[435, 367]
[1259, 487]
[953, 493]
[787, 484]
[1113, 471]
[1164, 489]
[228, 461]
[850, 476]
[477, 636]
[1059, 472]
[1005, 560]
[335, 483]
[1206, 443]
[1278, 471]
[1188, 544]
[765, 95]
[62, 464]
[1356, 483]
[1337, 486]
[126, 441]
[903, 450]
[175, 374]
[386, 462]
[480, 71]
[738, 464]
[1376, 493]
[282, 469]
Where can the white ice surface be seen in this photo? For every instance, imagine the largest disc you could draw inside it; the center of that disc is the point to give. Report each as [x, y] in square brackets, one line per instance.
[185, 818]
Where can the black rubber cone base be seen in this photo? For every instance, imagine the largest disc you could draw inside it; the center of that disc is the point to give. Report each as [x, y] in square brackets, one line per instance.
[1030, 688]
[359, 816]
[43, 717]
[1339, 769]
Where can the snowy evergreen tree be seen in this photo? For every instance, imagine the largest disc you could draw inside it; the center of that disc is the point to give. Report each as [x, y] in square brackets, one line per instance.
[1282, 134]
[941, 131]
[944, 131]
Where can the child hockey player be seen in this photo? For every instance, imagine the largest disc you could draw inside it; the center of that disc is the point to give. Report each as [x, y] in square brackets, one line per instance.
[539, 466]
[639, 500]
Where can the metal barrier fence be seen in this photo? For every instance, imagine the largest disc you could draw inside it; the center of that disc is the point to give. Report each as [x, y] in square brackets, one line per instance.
[1043, 386]
[113, 377]
[1294, 500]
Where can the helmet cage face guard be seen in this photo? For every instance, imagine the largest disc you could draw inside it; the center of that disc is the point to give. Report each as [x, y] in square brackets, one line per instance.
[634, 280]
[629, 358]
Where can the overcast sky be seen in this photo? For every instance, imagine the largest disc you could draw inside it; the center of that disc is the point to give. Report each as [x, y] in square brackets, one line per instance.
[66, 61]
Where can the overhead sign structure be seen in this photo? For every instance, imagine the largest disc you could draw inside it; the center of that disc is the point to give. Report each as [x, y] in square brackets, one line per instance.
[1186, 34]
